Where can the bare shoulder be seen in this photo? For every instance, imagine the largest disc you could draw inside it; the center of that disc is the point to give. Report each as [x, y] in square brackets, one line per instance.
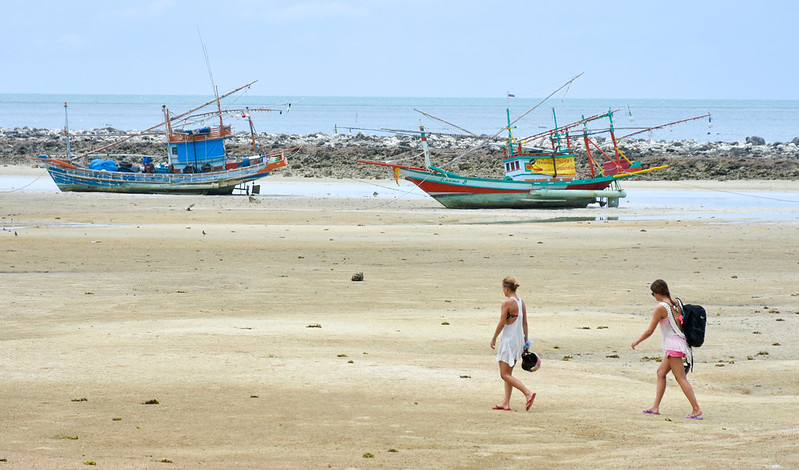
[660, 310]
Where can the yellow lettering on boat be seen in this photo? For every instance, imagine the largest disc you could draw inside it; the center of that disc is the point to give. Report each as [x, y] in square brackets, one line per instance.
[564, 165]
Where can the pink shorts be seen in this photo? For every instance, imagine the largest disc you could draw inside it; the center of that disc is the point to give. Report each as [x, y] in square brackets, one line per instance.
[671, 353]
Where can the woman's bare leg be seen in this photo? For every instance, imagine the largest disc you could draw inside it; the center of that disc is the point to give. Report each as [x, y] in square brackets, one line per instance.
[506, 372]
[660, 388]
[679, 374]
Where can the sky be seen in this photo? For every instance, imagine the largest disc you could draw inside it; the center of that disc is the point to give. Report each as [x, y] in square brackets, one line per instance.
[676, 49]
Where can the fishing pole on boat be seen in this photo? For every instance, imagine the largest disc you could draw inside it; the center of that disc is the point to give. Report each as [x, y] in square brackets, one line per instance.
[467, 152]
[665, 125]
[510, 124]
[568, 83]
[336, 128]
[162, 122]
[235, 112]
[211, 76]
[446, 122]
[387, 130]
[566, 127]
[484, 138]
[536, 136]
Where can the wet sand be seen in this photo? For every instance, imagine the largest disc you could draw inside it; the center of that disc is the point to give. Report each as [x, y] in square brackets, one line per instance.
[241, 319]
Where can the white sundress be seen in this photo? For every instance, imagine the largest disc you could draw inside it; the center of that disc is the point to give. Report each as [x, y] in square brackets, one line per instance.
[511, 341]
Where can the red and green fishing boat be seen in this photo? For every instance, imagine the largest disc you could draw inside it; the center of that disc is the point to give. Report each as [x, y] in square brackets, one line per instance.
[536, 177]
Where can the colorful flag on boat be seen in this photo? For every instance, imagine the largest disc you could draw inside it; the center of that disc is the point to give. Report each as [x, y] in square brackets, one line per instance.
[511, 96]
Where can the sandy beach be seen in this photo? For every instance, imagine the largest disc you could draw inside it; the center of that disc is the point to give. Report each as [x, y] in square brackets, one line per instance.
[227, 332]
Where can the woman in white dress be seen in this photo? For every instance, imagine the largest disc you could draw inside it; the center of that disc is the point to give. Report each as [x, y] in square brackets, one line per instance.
[668, 316]
[513, 326]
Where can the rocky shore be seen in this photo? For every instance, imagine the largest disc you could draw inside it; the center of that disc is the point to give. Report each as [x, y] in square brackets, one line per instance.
[337, 156]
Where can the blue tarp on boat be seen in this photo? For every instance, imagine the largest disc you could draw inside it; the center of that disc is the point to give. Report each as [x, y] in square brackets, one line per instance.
[100, 164]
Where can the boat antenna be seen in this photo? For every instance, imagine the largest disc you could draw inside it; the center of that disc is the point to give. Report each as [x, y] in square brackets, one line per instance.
[211, 76]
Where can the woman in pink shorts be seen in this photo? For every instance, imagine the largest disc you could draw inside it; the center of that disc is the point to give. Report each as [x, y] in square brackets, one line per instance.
[668, 315]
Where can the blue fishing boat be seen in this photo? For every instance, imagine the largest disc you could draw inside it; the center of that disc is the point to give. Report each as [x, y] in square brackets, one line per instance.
[196, 161]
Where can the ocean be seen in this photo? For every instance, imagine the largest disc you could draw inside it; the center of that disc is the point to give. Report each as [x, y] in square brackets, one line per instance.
[731, 120]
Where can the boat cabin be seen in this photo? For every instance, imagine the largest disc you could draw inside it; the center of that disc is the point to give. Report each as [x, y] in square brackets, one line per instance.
[198, 150]
[537, 164]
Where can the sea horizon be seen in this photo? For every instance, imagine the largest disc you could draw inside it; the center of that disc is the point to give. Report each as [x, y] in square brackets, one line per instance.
[730, 121]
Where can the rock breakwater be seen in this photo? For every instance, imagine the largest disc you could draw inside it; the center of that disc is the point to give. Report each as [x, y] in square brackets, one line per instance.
[336, 156]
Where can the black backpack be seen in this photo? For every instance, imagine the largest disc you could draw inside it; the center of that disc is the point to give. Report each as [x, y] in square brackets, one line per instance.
[694, 320]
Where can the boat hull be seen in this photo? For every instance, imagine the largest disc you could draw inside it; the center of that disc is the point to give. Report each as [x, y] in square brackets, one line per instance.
[69, 177]
[460, 192]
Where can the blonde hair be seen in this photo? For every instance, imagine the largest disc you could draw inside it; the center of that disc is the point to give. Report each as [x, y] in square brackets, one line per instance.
[510, 283]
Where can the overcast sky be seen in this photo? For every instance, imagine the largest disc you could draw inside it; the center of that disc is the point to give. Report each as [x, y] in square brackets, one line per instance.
[692, 49]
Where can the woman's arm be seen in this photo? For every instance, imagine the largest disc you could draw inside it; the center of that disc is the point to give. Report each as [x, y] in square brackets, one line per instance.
[503, 312]
[524, 320]
[656, 317]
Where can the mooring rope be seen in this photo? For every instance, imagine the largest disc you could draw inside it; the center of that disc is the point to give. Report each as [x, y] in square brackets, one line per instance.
[23, 187]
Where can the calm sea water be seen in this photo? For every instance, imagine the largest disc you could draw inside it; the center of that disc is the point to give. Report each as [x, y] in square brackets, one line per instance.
[732, 120]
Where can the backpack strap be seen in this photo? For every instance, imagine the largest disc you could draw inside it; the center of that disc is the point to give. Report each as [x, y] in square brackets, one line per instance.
[690, 358]
[672, 322]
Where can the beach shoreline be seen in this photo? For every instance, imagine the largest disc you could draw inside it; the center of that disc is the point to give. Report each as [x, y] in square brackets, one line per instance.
[240, 318]
[23, 170]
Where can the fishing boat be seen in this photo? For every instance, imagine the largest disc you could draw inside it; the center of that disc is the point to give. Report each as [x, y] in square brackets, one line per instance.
[535, 177]
[195, 160]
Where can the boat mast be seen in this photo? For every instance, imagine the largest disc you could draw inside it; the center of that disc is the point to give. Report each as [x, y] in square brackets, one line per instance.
[66, 128]
[425, 148]
[218, 108]
[587, 143]
[252, 130]
[510, 134]
[165, 110]
[613, 137]
[556, 132]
